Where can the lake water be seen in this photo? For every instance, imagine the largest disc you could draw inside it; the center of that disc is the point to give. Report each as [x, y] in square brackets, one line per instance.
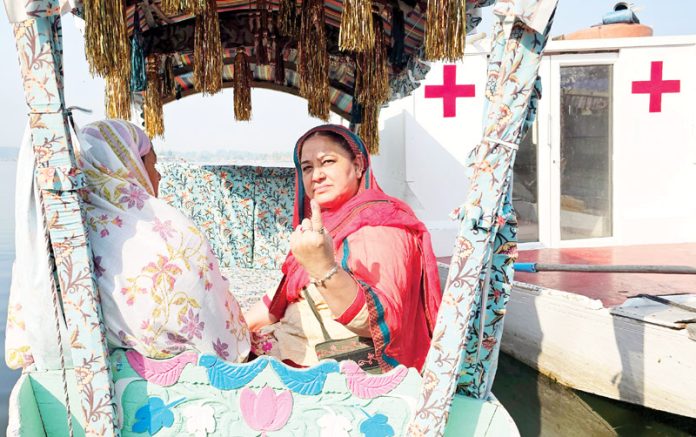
[539, 406]
[7, 184]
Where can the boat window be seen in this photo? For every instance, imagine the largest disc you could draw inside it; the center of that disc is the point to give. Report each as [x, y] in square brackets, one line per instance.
[586, 180]
[525, 196]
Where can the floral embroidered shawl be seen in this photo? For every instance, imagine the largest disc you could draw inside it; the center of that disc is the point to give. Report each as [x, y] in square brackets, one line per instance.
[160, 284]
[372, 207]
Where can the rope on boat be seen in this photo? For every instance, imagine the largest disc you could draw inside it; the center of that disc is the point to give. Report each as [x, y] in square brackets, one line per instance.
[630, 268]
[56, 314]
[508, 144]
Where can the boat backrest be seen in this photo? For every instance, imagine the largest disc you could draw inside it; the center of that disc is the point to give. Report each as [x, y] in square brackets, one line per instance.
[245, 211]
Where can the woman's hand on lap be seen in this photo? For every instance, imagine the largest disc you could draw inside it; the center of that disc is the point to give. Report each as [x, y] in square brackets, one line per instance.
[258, 316]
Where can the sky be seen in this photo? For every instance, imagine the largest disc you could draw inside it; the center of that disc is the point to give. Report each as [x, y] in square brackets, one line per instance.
[207, 123]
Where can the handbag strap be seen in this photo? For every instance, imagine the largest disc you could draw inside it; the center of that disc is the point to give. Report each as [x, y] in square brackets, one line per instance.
[313, 307]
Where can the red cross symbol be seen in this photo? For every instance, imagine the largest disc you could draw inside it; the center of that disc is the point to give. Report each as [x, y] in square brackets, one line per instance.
[655, 86]
[449, 91]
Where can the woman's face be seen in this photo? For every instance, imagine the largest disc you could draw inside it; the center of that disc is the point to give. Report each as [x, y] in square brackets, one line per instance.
[149, 161]
[329, 174]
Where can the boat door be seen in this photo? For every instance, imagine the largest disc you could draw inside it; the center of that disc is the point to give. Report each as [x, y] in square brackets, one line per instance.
[563, 180]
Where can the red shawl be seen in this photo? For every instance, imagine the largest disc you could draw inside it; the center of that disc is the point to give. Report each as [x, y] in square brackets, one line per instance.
[370, 207]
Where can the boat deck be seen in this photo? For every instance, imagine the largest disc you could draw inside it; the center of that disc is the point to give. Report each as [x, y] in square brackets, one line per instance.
[612, 288]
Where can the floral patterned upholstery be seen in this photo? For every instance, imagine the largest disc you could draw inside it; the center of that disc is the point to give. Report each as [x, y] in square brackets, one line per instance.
[246, 213]
[273, 201]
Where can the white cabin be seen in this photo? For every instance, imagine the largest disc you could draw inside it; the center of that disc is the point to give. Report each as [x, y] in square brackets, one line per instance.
[611, 159]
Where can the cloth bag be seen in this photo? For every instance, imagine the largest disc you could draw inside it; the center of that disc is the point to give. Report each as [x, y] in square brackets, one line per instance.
[358, 349]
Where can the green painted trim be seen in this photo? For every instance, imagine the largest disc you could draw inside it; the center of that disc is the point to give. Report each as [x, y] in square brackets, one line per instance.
[24, 408]
[478, 418]
[48, 394]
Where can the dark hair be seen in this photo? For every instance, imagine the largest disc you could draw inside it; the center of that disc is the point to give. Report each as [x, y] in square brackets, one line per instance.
[337, 138]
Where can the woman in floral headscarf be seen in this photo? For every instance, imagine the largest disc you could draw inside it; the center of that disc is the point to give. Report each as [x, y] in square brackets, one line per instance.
[160, 284]
[363, 257]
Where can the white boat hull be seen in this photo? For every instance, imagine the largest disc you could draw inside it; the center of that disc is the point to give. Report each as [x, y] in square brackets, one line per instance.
[579, 343]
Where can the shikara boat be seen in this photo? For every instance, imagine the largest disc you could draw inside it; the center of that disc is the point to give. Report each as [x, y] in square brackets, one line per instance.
[314, 49]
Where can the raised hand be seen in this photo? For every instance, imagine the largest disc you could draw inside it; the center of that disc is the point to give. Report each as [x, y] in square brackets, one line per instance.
[312, 246]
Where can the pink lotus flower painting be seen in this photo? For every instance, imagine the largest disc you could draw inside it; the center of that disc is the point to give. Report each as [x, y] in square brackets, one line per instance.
[265, 411]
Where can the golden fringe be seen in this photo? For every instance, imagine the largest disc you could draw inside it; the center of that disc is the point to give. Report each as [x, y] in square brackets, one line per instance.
[106, 37]
[242, 86]
[287, 18]
[435, 25]
[314, 60]
[118, 96]
[259, 27]
[372, 71]
[372, 87]
[207, 49]
[445, 30]
[152, 107]
[178, 7]
[357, 31]
[168, 79]
[279, 62]
[368, 130]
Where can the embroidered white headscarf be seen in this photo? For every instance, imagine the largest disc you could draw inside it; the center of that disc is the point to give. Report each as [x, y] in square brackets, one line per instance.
[160, 284]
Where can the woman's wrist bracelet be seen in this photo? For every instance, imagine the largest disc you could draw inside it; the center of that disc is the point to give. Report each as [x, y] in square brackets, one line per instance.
[327, 276]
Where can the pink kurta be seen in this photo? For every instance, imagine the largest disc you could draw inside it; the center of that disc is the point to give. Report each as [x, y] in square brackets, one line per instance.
[388, 273]
[382, 244]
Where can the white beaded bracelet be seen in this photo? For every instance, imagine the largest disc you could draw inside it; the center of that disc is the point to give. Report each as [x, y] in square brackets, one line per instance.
[320, 282]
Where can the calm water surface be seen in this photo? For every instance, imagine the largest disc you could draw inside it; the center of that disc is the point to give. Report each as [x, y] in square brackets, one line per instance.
[7, 184]
[538, 405]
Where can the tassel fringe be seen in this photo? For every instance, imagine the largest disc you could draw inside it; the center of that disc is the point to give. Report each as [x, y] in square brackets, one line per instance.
[118, 96]
[242, 86]
[314, 60]
[178, 7]
[106, 37]
[152, 107]
[287, 18]
[260, 50]
[371, 87]
[260, 31]
[445, 30]
[398, 35]
[279, 73]
[357, 30]
[372, 75]
[207, 49]
[168, 78]
[368, 130]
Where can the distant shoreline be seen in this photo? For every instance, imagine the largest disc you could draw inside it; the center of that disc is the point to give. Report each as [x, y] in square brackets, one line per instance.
[219, 161]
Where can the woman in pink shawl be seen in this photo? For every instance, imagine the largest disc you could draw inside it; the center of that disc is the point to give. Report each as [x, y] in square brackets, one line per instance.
[363, 257]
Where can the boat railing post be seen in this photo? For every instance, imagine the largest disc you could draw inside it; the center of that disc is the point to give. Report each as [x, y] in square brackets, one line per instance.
[486, 226]
[39, 46]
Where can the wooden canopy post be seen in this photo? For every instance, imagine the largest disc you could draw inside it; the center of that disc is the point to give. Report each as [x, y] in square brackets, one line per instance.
[39, 46]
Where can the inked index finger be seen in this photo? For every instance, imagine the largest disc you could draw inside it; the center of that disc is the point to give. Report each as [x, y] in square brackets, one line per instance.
[317, 223]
